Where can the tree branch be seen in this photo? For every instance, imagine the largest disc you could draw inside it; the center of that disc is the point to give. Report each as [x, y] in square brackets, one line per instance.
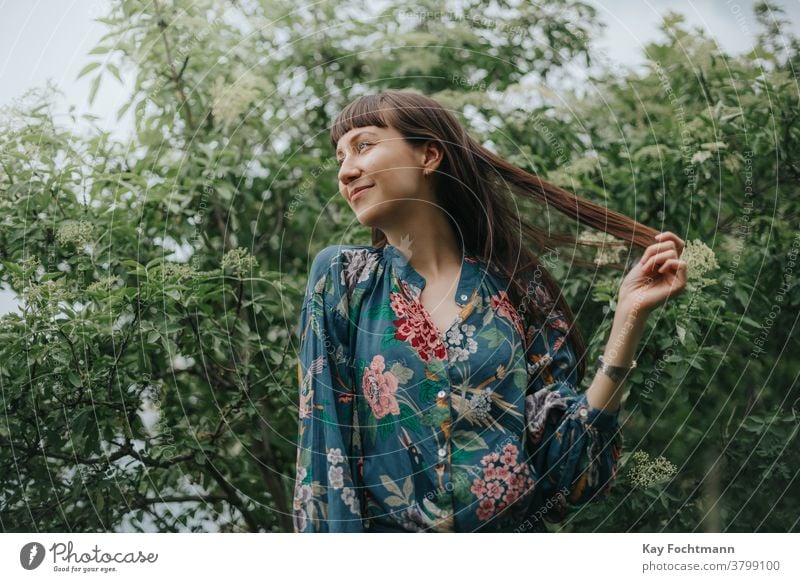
[176, 78]
[232, 497]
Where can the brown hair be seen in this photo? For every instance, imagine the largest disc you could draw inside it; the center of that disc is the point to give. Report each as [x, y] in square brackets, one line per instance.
[473, 183]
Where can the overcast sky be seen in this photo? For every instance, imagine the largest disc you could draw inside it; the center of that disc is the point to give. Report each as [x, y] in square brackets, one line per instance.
[51, 38]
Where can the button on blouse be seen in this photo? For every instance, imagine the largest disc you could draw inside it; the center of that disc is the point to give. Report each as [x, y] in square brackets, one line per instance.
[402, 428]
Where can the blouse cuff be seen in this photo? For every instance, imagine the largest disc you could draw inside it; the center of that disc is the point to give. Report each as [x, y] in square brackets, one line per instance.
[595, 417]
[559, 400]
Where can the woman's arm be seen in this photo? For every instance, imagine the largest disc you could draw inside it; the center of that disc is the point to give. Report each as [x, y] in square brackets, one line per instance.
[656, 277]
[626, 332]
[327, 497]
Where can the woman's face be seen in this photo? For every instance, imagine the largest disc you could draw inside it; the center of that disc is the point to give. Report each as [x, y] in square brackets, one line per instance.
[383, 161]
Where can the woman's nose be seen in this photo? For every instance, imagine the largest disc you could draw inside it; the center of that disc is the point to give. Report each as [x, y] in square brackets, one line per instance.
[348, 172]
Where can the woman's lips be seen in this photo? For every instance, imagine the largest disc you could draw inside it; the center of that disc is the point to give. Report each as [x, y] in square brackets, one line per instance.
[358, 193]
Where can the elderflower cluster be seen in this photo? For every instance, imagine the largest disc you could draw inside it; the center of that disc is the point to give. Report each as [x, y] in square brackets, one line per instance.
[609, 249]
[77, 233]
[177, 270]
[239, 261]
[28, 267]
[708, 150]
[230, 100]
[700, 259]
[103, 285]
[646, 472]
[46, 296]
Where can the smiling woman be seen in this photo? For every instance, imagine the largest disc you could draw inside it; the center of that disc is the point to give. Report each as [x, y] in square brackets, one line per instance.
[439, 367]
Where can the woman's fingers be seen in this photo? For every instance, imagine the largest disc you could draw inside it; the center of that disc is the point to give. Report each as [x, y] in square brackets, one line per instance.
[680, 272]
[669, 235]
[659, 258]
[656, 248]
[672, 265]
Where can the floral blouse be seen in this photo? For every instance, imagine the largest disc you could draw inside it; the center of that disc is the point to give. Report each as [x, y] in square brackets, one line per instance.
[404, 429]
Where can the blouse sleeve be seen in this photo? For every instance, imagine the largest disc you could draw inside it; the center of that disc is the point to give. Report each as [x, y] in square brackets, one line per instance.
[325, 494]
[575, 447]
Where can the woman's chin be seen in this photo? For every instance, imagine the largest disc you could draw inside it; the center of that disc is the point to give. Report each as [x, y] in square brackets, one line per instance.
[370, 215]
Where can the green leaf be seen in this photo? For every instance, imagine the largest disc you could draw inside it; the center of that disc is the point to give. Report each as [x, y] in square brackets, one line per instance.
[681, 331]
[493, 336]
[435, 416]
[114, 71]
[388, 337]
[468, 440]
[385, 425]
[74, 379]
[87, 69]
[93, 90]
[461, 486]
[123, 110]
[428, 390]
[408, 418]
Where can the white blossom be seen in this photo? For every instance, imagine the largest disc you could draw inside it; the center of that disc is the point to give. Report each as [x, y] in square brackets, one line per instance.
[230, 100]
[646, 472]
[335, 456]
[349, 497]
[76, 233]
[336, 477]
[700, 259]
[609, 248]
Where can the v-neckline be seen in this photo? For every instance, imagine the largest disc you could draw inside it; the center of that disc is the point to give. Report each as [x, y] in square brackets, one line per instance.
[443, 334]
[461, 297]
[465, 287]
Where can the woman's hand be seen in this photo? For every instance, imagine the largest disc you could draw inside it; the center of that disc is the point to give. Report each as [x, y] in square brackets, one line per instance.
[659, 275]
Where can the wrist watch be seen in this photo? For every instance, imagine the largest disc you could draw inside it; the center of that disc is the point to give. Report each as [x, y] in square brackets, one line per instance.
[616, 373]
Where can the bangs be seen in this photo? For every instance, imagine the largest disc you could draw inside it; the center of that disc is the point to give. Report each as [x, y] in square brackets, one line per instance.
[364, 111]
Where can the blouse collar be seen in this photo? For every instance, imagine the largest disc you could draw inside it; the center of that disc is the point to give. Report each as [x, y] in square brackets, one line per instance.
[468, 281]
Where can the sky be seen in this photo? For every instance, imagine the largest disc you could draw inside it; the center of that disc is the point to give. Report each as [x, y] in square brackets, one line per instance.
[50, 39]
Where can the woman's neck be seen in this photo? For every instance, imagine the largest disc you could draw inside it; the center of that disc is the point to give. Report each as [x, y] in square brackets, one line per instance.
[428, 242]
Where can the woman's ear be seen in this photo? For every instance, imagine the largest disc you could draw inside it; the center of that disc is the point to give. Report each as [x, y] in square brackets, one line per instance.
[432, 156]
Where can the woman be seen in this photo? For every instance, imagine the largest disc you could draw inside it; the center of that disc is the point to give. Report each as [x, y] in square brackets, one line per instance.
[437, 367]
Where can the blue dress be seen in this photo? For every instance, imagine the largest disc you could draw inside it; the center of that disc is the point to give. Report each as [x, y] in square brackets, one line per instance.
[403, 429]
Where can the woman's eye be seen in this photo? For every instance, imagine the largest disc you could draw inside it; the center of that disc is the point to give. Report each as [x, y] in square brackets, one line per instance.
[340, 161]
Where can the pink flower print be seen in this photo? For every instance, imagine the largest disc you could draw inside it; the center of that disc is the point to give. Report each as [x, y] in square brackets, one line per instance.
[380, 388]
[503, 473]
[559, 322]
[506, 481]
[478, 488]
[510, 497]
[505, 308]
[493, 489]
[377, 365]
[486, 508]
[416, 328]
[399, 304]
